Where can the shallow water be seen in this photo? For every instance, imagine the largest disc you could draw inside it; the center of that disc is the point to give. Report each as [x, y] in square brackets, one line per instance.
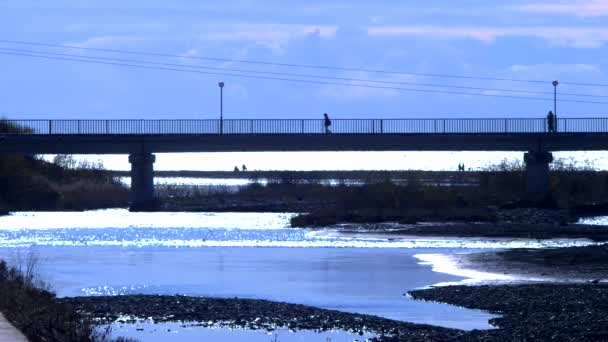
[595, 221]
[149, 332]
[246, 255]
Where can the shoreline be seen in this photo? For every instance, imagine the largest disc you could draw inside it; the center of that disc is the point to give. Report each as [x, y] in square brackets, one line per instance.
[554, 315]
[249, 314]
[492, 230]
[561, 265]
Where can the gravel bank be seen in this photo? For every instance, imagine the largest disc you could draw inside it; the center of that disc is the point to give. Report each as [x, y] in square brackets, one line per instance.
[535, 312]
[251, 314]
[579, 264]
[539, 312]
[481, 230]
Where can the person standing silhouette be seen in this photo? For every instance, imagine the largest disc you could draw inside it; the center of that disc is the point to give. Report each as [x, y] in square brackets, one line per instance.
[326, 123]
[551, 122]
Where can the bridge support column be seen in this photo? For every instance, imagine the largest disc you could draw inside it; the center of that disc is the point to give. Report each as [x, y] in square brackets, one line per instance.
[537, 173]
[142, 182]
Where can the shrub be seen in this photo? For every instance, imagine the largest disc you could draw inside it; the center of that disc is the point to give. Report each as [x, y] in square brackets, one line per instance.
[35, 311]
[12, 128]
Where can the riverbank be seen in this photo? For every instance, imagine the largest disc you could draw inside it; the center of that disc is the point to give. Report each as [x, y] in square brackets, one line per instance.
[578, 264]
[531, 312]
[471, 230]
[31, 183]
[31, 308]
[249, 314]
[564, 312]
[87, 266]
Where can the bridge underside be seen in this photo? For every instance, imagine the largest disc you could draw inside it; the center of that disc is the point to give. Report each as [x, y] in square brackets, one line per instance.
[140, 149]
[129, 144]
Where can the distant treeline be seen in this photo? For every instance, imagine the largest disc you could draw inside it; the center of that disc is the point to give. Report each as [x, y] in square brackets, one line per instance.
[322, 174]
[28, 182]
[467, 177]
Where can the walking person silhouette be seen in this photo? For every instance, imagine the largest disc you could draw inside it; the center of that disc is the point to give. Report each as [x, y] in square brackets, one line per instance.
[326, 123]
[551, 122]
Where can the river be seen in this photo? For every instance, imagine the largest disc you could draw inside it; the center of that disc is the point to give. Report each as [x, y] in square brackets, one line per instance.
[245, 255]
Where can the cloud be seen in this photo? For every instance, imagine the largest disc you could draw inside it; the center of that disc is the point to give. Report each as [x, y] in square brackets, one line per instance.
[576, 72]
[274, 36]
[108, 42]
[544, 69]
[583, 37]
[351, 90]
[582, 8]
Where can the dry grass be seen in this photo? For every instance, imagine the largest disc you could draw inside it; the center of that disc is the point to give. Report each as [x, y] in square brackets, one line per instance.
[28, 303]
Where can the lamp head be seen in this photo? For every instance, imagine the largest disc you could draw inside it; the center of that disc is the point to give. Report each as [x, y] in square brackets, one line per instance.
[555, 83]
[221, 84]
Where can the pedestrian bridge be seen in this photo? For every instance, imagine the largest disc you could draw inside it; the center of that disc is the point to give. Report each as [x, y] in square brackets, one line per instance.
[141, 138]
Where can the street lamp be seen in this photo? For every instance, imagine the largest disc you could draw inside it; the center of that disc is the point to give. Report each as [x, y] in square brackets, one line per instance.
[221, 85]
[555, 83]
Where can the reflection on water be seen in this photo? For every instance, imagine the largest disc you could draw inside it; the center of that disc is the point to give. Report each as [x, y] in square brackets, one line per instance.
[231, 183]
[448, 264]
[183, 332]
[245, 255]
[122, 218]
[595, 221]
[119, 227]
[361, 280]
[197, 181]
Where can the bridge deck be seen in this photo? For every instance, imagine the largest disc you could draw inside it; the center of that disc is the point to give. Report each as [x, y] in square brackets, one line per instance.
[302, 126]
[158, 136]
[129, 144]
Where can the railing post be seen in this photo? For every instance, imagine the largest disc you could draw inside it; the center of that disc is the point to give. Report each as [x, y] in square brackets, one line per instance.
[506, 126]
[302, 125]
[443, 125]
[50, 127]
[107, 126]
[381, 126]
[78, 126]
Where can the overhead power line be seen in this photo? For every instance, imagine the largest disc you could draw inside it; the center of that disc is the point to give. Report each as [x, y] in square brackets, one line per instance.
[298, 75]
[293, 65]
[288, 79]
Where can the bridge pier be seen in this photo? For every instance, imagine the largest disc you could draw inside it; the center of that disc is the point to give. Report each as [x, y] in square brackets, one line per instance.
[537, 173]
[142, 182]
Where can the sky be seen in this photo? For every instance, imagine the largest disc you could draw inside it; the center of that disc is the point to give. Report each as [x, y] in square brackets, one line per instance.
[539, 40]
[533, 40]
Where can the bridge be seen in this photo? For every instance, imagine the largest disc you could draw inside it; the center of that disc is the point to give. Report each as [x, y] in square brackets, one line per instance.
[140, 139]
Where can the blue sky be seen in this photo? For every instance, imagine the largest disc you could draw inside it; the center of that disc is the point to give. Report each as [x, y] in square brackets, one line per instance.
[540, 40]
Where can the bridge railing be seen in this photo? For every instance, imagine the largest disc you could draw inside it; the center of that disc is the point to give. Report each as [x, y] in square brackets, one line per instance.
[299, 126]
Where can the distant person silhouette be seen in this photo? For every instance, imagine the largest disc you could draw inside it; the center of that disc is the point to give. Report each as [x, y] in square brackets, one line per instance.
[236, 169]
[551, 122]
[326, 123]
[244, 168]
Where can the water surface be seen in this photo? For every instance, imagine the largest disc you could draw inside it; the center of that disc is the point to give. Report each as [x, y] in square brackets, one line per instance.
[245, 255]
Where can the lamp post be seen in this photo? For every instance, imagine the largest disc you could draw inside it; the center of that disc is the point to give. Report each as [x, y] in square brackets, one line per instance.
[555, 83]
[221, 85]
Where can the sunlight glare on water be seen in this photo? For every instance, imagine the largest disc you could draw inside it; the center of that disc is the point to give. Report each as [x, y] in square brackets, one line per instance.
[119, 227]
[594, 221]
[245, 255]
[122, 218]
[306, 161]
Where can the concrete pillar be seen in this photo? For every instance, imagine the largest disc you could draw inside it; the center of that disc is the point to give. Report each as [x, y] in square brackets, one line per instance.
[142, 182]
[537, 173]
